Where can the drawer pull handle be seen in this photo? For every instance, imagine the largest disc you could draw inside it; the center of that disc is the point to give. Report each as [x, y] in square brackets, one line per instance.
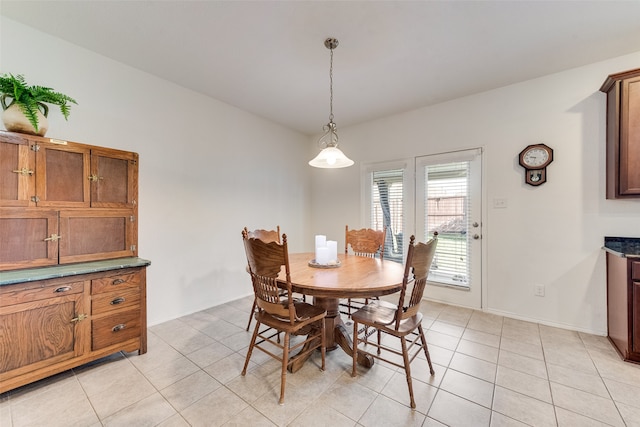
[119, 327]
[117, 301]
[117, 282]
[62, 289]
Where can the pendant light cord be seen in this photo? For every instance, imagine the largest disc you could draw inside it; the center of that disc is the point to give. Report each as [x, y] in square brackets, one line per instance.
[331, 87]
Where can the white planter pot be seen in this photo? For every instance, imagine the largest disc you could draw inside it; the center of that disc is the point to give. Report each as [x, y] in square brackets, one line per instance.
[15, 121]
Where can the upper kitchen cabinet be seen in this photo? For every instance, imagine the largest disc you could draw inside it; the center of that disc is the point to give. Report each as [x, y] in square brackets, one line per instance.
[623, 134]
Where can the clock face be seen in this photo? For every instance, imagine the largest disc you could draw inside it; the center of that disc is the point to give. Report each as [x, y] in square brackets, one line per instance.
[535, 157]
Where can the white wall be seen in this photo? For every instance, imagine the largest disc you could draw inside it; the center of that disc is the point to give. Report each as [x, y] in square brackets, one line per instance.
[206, 169]
[548, 235]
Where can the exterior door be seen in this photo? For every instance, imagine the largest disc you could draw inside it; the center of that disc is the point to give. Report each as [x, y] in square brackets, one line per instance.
[449, 201]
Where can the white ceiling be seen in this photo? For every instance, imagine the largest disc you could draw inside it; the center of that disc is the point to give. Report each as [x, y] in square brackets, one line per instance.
[268, 57]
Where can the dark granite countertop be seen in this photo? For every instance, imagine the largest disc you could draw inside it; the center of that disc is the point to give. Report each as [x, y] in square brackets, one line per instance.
[42, 273]
[628, 247]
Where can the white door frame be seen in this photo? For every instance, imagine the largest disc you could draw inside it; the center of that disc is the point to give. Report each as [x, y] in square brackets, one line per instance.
[474, 296]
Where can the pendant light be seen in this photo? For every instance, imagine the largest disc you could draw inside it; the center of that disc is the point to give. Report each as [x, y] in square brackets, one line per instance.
[331, 156]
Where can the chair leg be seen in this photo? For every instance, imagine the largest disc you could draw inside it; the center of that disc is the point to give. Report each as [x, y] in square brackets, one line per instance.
[253, 343]
[426, 350]
[253, 310]
[355, 349]
[285, 363]
[323, 342]
[407, 370]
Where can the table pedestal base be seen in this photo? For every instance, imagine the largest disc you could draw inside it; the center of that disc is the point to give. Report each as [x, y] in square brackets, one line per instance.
[336, 335]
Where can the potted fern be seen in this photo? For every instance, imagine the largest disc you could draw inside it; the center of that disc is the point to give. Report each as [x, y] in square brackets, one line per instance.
[27, 110]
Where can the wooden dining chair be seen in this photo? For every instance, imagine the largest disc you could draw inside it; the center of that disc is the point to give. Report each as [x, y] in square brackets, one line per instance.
[266, 236]
[286, 316]
[364, 242]
[403, 320]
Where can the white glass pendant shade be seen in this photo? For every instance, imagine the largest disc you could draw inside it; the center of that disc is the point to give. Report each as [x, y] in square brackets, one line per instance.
[331, 158]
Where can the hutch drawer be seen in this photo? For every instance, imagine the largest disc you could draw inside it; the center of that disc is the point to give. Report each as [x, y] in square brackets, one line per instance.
[115, 328]
[116, 300]
[28, 292]
[119, 281]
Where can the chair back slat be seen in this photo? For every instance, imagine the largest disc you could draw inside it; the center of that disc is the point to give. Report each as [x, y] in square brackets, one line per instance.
[419, 258]
[365, 242]
[265, 261]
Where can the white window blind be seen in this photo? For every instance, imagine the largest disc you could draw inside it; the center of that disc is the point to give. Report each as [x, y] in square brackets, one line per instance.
[447, 201]
[387, 209]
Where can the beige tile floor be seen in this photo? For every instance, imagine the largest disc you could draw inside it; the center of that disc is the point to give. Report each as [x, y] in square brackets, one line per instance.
[490, 371]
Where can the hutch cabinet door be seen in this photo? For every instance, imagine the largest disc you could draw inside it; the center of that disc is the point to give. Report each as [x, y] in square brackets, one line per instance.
[62, 175]
[114, 178]
[39, 332]
[29, 238]
[93, 234]
[17, 168]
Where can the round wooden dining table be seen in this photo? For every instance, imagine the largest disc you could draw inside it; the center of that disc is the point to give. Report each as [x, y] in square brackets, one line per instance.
[355, 277]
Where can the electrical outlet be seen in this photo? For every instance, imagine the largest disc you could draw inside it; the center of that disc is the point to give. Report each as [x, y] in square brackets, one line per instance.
[538, 290]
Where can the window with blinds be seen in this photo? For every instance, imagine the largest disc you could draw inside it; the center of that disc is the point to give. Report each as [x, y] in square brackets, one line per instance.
[387, 209]
[447, 212]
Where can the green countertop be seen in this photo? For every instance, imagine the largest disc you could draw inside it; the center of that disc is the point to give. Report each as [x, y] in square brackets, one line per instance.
[42, 273]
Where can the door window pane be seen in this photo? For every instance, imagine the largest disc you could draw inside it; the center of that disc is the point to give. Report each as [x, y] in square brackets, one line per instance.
[446, 201]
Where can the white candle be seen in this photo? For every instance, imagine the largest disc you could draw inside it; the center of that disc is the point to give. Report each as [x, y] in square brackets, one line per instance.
[322, 255]
[332, 245]
[321, 241]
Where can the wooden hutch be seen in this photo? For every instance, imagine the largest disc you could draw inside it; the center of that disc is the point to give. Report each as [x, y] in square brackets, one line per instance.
[72, 288]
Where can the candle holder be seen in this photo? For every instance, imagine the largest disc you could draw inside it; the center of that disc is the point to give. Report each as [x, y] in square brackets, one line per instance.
[314, 264]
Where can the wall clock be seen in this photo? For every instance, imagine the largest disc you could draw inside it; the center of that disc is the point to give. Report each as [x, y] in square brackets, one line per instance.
[535, 159]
